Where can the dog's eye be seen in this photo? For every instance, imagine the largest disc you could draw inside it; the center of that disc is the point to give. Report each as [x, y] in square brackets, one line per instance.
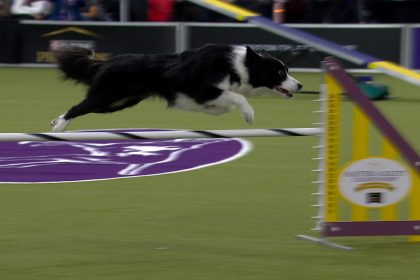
[283, 74]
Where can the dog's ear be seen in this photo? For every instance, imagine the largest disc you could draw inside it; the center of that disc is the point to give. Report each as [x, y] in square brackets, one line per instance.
[251, 54]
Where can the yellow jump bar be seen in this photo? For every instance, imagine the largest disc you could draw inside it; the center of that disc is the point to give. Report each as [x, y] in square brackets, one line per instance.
[240, 14]
[397, 71]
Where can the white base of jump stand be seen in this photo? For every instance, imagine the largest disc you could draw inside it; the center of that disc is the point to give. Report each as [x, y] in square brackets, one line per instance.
[324, 242]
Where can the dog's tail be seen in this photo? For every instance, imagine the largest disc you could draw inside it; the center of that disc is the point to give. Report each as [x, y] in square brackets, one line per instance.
[77, 64]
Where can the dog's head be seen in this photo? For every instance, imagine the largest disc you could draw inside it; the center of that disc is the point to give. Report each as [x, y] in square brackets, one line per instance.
[267, 71]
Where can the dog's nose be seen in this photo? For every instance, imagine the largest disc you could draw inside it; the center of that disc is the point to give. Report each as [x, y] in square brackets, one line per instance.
[299, 86]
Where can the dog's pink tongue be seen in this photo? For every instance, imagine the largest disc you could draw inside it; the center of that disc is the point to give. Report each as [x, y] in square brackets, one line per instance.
[284, 92]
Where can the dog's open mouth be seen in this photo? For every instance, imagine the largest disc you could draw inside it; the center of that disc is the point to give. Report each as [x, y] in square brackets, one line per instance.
[284, 92]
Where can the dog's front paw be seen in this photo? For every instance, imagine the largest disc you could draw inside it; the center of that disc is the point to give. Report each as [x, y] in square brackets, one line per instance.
[248, 114]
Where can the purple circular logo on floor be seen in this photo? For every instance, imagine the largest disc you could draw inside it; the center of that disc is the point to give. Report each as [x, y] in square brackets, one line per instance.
[55, 162]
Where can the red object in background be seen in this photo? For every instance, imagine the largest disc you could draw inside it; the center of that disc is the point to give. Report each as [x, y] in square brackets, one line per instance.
[160, 10]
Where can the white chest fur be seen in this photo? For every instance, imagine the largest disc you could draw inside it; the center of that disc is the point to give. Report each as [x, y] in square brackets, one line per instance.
[184, 102]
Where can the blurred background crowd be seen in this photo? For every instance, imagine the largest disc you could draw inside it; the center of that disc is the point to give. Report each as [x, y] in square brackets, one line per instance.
[295, 11]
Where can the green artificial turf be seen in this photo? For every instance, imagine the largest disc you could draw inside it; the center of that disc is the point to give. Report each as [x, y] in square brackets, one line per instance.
[232, 221]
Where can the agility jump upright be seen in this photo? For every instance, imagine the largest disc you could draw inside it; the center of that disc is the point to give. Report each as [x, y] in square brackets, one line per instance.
[369, 192]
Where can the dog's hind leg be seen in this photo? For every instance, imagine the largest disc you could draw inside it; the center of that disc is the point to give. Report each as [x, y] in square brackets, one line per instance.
[61, 122]
[91, 105]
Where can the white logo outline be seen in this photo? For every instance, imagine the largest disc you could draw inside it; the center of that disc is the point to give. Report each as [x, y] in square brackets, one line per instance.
[95, 154]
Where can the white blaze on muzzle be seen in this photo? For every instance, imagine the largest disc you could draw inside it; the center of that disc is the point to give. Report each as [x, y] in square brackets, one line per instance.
[289, 86]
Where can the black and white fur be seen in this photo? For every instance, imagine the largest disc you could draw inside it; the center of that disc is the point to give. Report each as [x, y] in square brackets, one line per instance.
[210, 79]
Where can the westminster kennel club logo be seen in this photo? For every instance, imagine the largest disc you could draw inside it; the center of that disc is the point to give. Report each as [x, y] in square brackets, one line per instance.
[375, 182]
[54, 162]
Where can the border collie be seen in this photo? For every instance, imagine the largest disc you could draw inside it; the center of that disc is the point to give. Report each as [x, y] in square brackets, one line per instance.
[209, 79]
